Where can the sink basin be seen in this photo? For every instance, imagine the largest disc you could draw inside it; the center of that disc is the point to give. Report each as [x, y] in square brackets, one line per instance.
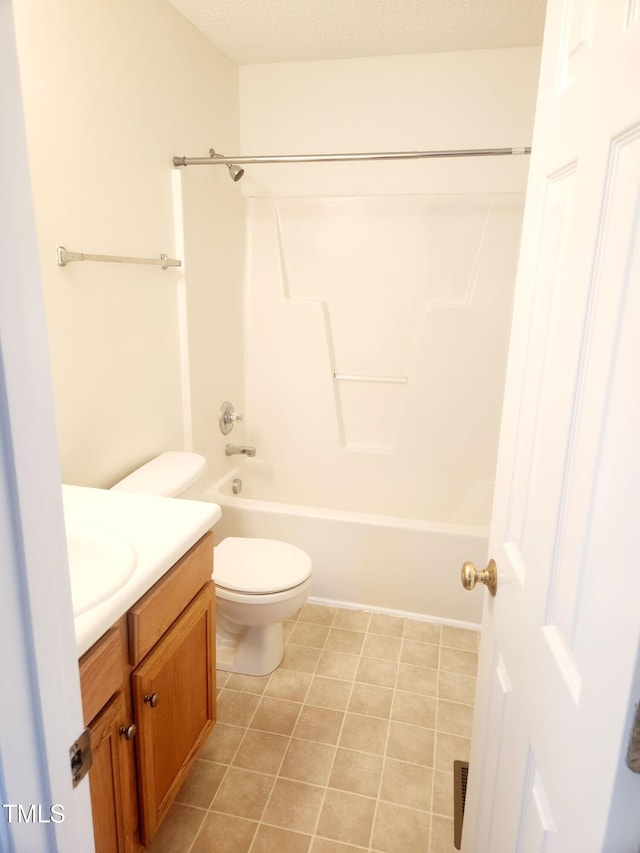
[100, 563]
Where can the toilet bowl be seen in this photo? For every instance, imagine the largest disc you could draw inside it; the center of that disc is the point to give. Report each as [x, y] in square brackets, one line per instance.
[259, 582]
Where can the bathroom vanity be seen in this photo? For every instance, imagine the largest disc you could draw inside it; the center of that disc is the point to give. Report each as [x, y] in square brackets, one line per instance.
[148, 680]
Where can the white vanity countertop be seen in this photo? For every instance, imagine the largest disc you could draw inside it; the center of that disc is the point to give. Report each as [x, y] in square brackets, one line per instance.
[160, 530]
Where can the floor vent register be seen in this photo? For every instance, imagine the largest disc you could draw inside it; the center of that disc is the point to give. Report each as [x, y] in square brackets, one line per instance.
[460, 773]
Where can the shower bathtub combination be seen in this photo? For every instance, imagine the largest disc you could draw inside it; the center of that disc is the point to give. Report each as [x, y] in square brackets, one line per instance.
[402, 410]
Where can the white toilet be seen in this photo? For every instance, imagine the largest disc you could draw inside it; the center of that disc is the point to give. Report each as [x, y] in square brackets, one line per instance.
[259, 582]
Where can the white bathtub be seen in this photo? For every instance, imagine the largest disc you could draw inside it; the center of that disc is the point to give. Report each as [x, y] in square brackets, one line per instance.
[374, 562]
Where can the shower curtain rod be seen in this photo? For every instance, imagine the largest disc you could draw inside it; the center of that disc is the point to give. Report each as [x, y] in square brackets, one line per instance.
[241, 160]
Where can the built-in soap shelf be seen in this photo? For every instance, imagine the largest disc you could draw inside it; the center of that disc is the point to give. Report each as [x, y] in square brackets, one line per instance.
[362, 377]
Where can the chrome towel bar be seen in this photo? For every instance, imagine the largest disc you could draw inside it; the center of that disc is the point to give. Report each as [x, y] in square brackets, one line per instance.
[64, 257]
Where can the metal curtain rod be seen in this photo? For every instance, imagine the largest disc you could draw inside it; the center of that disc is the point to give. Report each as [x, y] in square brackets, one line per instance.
[65, 257]
[327, 158]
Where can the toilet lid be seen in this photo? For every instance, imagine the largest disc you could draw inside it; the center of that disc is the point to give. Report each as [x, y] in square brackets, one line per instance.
[259, 565]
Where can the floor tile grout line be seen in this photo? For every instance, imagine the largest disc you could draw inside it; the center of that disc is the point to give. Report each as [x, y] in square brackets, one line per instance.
[435, 739]
[339, 735]
[231, 760]
[312, 785]
[346, 748]
[386, 743]
[198, 831]
[247, 728]
[302, 705]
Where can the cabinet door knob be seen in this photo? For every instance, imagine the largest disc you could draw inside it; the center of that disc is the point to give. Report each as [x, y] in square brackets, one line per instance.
[128, 731]
[152, 699]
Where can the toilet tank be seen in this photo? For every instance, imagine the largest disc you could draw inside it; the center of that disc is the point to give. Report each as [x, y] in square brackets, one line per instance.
[168, 475]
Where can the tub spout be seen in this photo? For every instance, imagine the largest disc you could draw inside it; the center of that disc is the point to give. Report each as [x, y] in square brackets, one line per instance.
[236, 449]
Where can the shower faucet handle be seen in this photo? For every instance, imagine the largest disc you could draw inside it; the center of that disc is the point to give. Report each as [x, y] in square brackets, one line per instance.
[228, 418]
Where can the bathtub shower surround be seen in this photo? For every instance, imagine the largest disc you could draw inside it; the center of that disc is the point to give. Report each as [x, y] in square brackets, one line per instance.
[378, 295]
[377, 330]
[376, 337]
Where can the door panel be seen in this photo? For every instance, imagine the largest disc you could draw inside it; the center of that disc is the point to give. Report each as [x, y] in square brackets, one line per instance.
[561, 638]
[578, 40]
[537, 821]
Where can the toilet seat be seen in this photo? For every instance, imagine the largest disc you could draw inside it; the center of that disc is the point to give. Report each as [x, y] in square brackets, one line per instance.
[259, 566]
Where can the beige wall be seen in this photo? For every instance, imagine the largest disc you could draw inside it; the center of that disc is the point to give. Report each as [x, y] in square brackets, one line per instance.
[112, 90]
[468, 99]
[143, 358]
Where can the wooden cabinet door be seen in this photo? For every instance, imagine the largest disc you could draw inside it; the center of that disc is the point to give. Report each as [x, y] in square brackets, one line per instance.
[174, 702]
[112, 780]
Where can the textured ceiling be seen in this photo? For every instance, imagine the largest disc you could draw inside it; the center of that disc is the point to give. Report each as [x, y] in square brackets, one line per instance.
[255, 31]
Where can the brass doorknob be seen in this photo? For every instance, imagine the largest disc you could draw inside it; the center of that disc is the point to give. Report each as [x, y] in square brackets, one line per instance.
[151, 699]
[471, 576]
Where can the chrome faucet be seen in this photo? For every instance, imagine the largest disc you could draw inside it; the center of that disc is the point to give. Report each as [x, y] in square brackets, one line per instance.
[228, 417]
[236, 449]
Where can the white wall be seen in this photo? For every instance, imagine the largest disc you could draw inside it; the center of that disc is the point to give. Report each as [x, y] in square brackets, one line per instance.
[400, 270]
[112, 90]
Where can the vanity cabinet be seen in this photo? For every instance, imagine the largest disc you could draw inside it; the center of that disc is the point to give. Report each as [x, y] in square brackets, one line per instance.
[107, 711]
[173, 699]
[112, 780]
[148, 695]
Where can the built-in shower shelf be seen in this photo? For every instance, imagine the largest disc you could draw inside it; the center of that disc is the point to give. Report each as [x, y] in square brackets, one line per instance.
[362, 377]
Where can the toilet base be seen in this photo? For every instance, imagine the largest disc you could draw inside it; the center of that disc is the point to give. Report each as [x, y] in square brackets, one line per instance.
[257, 650]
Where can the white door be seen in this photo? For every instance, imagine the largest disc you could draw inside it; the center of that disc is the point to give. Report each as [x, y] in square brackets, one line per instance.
[558, 674]
[40, 709]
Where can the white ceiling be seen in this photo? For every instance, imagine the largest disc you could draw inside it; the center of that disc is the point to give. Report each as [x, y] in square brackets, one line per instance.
[256, 31]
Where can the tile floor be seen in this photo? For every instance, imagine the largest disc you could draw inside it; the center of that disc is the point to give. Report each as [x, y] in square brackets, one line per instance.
[347, 747]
